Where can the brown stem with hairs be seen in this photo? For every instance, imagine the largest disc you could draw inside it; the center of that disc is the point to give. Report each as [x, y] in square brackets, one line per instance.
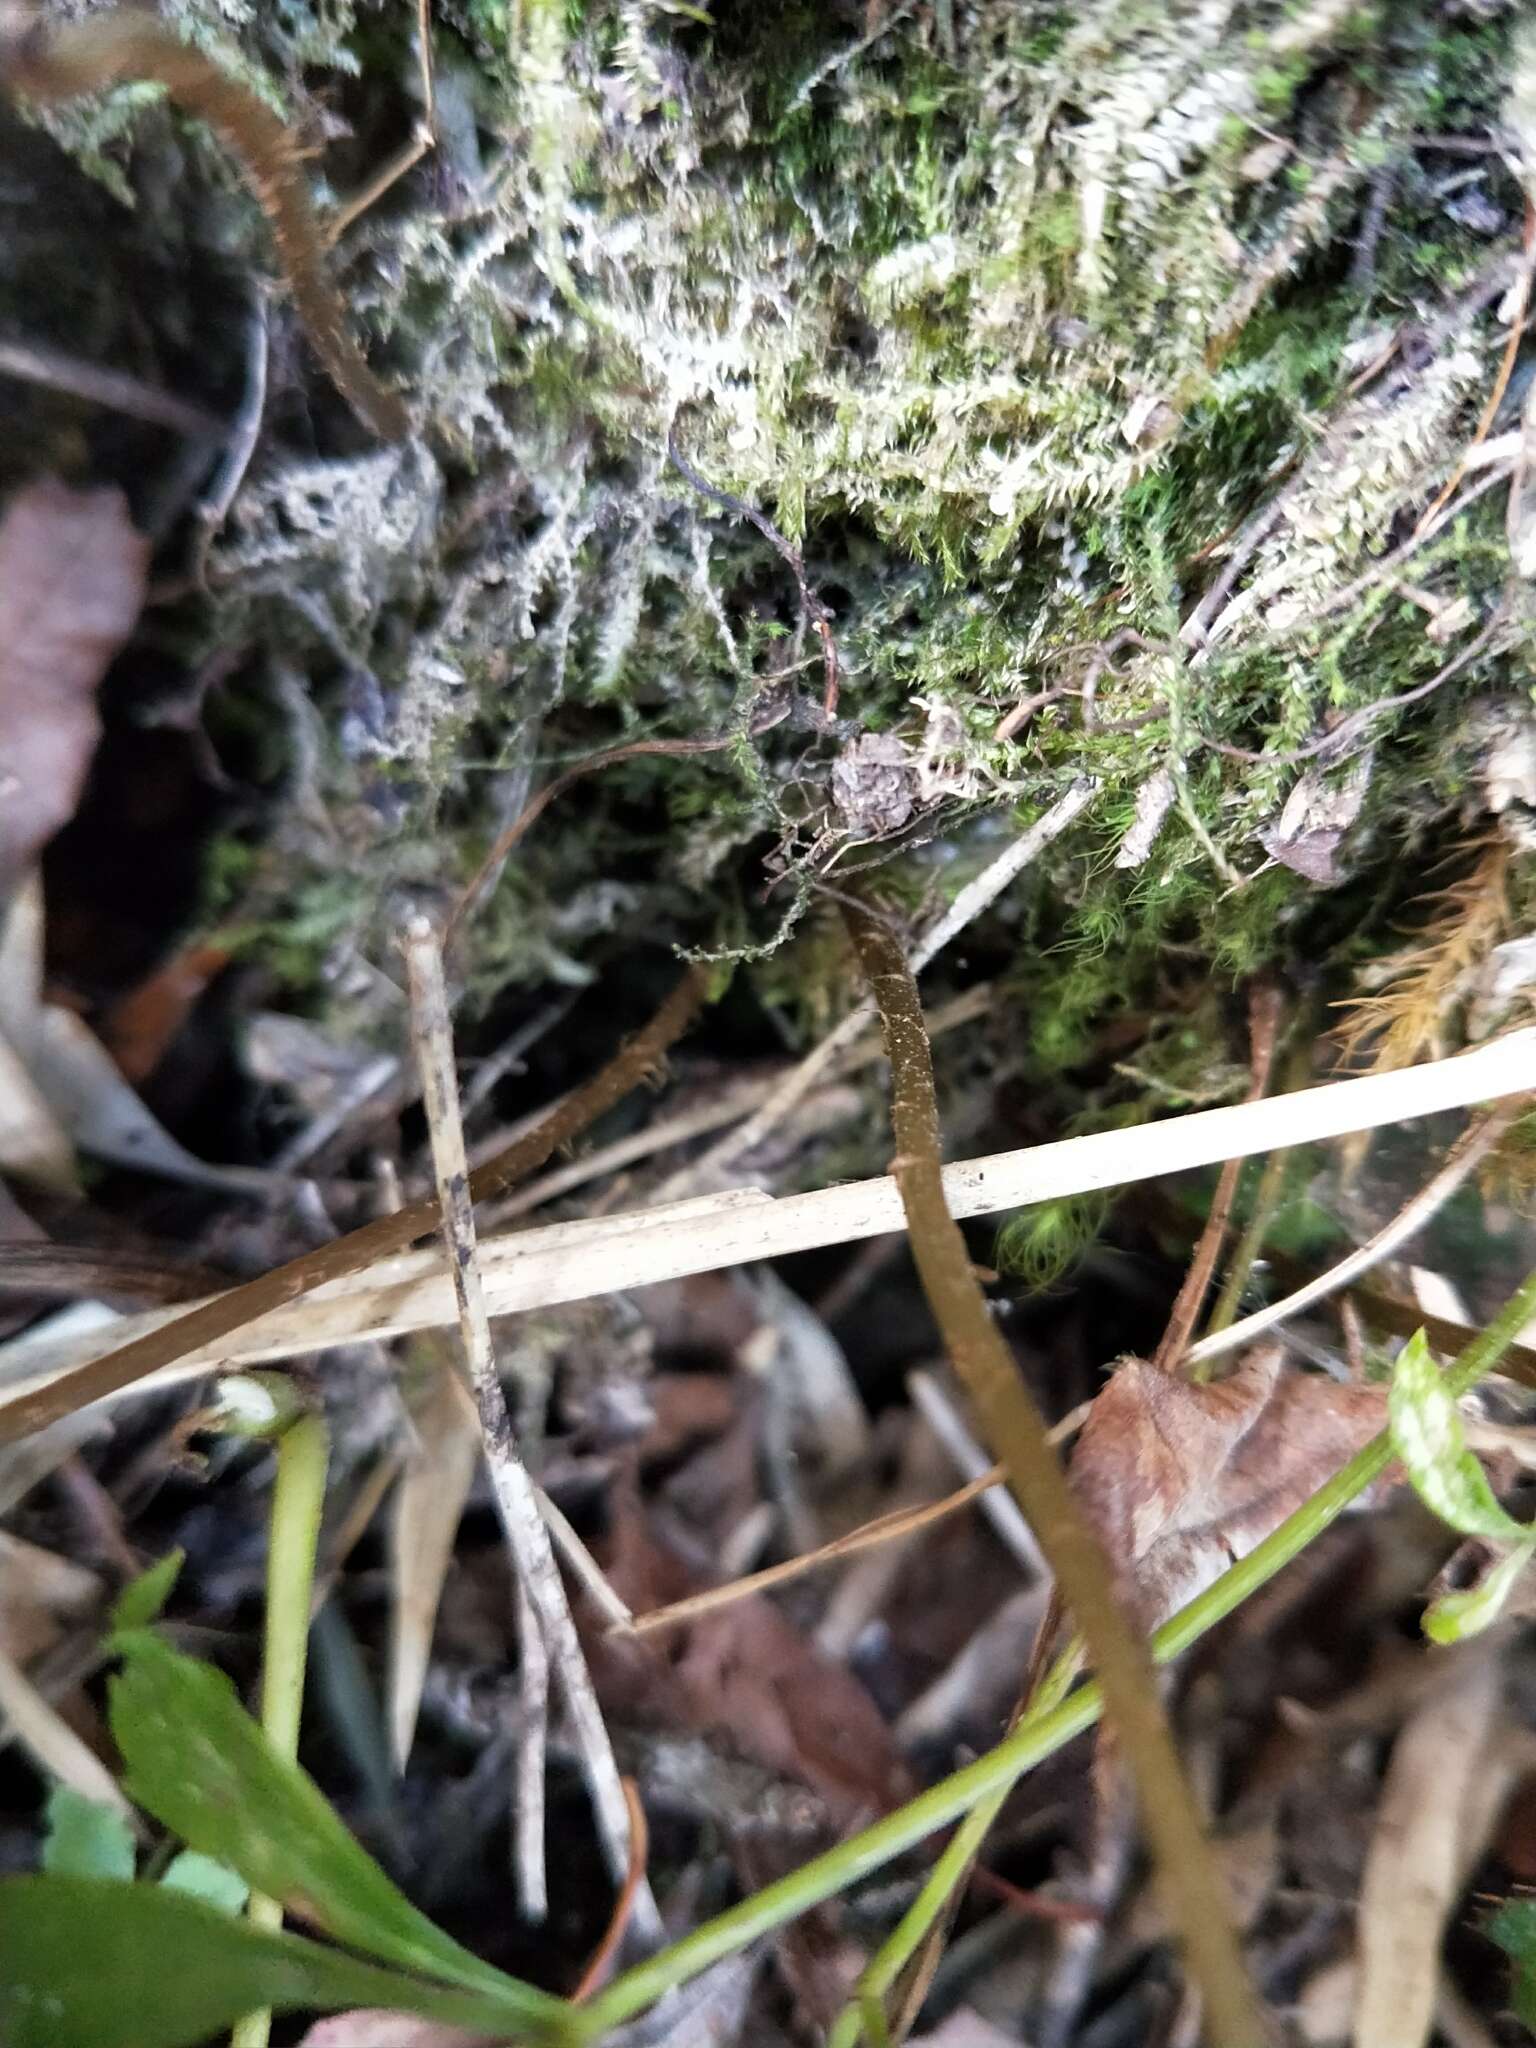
[377, 1240]
[1190, 1881]
[54, 61]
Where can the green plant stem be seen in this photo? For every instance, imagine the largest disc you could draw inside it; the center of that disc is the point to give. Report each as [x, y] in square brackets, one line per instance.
[1266, 1197]
[1188, 1877]
[298, 1495]
[1036, 1738]
[948, 1873]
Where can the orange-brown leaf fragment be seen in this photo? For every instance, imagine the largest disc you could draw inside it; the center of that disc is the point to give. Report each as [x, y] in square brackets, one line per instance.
[1182, 1478]
[72, 577]
[743, 1677]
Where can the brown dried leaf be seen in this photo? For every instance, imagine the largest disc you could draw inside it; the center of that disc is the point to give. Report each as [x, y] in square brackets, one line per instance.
[429, 1502]
[1317, 814]
[72, 577]
[1180, 1478]
[743, 1676]
[1438, 1807]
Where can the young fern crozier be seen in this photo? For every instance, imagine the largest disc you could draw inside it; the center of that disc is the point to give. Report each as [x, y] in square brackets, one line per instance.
[48, 63]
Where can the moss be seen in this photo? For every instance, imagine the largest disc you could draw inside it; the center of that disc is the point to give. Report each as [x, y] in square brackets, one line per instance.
[949, 317]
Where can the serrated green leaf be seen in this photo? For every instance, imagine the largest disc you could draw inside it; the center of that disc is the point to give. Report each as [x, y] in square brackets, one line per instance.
[204, 1877]
[85, 1838]
[1455, 1616]
[1427, 1435]
[142, 1598]
[198, 1762]
[91, 1964]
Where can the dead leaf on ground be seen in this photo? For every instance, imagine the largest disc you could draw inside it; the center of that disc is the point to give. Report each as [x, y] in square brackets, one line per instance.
[72, 580]
[370, 2028]
[60, 1089]
[1318, 812]
[1444, 1790]
[39, 1593]
[742, 1676]
[1180, 1478]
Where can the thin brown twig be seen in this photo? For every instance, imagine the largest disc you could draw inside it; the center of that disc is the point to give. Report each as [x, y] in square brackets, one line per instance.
[56, 61]
[810, 603]
[1503, 374]
[977, 896]
[406, 158]
[1472, 1148]
[591, 764]
[379, 1239]
[1264, 1013]
[595, 1974]
[549, 1639]
[1192, 1885]
[1333, 742]
[113, 389]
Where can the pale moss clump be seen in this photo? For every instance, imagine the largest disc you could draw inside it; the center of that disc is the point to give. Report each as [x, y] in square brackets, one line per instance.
[1018, 317]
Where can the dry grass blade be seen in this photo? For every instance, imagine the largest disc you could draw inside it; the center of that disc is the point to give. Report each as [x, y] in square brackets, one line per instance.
[1190, 1879]
[42, 1730]
[41, 1380]
[428, 1503]
[202, 1328]
[884, 1529]
[538, 1575]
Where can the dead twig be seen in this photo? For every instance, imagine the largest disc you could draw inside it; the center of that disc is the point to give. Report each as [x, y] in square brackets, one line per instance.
[406, 158]
[1472, 1149]
[972, 900]
[1001, 1509]
[115, 390]
[1522, 295]
[1334, 742]
[474, 889]
[544, 1610]
[214, 1320]
[1190, 1880]
[811, 606]
[1264, 1011]
[891, 1528]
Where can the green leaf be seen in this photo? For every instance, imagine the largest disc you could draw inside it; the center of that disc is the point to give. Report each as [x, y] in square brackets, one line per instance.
[1454, 1616]
[1513, 1927]
[142, 1598]
[1428, 1437]
[85, 1838]
[204, 1877]
[91, 1964]
[199, 1763]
